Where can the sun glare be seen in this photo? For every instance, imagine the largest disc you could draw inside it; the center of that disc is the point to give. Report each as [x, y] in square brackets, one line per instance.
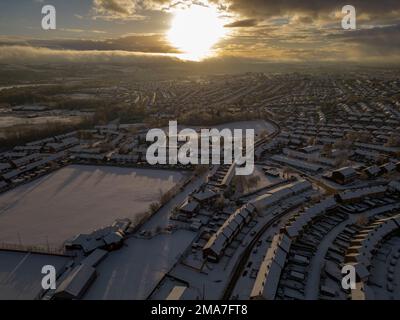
[195, 30]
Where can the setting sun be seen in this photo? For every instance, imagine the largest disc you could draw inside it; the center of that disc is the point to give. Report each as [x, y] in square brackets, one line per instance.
[195, 31]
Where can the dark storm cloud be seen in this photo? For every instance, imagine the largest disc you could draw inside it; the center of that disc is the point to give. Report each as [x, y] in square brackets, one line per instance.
[133, 43]
[242, 23]
[268, 8]
[312, 29]
[376, 41]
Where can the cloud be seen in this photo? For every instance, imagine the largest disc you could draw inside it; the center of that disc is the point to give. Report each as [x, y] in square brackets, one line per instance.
[125, 9]
[270, 8]
[373, 42]
[33, 55]
[292, 30]
[242, 23]
[119, 7]
[135, 9]
[153, 43]
[306, 30]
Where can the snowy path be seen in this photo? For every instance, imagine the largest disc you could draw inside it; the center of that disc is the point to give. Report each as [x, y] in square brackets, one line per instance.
[311, 290]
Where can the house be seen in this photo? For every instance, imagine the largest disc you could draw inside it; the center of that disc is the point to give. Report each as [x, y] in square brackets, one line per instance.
[395, 186]
[40, 142]
[19, 162]
[95, 158]
[205, 196]
[76, 283]
[108, 238]
[84, 242]
[379, 148]
[367, 155]
[268, 276]
[3, 186]
[94, 259]
[121, 225]
[219, 241]
[279, 194]
[14, 155]
[372, 171]
[311, 149]
[189, 207]
[388, 168]
[11, 175]
[121, 158]
[344, 175]
[298, 164]
[28, 149]
[64, 144]
[4, 166]
[301, 221]
[355, 195]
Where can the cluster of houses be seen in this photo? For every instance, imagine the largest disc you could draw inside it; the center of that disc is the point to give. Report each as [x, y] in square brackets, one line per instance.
[322, 150]
[269, 273]
[200, 198]
[103, 145]
[77, 278]
[274, 272]
[223, 176]
[297, 130]
[285, 268]
[107, 238]
[35, 159]
[219, 241]
[359, 253]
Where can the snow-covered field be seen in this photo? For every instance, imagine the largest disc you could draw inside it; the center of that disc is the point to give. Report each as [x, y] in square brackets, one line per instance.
[78, 199]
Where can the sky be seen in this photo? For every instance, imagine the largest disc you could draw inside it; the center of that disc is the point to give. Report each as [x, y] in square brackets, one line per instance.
[267, 30]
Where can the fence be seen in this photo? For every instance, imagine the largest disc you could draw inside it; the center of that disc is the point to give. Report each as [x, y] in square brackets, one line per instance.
[34, 249]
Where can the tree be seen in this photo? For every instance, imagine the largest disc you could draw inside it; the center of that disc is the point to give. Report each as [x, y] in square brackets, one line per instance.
[393, 141]
[362, 221]
[200, 169]
[154, 207]
[327, 150]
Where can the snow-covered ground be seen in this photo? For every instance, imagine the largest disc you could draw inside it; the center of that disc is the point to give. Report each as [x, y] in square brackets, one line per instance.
[78, 199]
[258, 125]
[21, 274]
[134, 271]
[263, 182]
